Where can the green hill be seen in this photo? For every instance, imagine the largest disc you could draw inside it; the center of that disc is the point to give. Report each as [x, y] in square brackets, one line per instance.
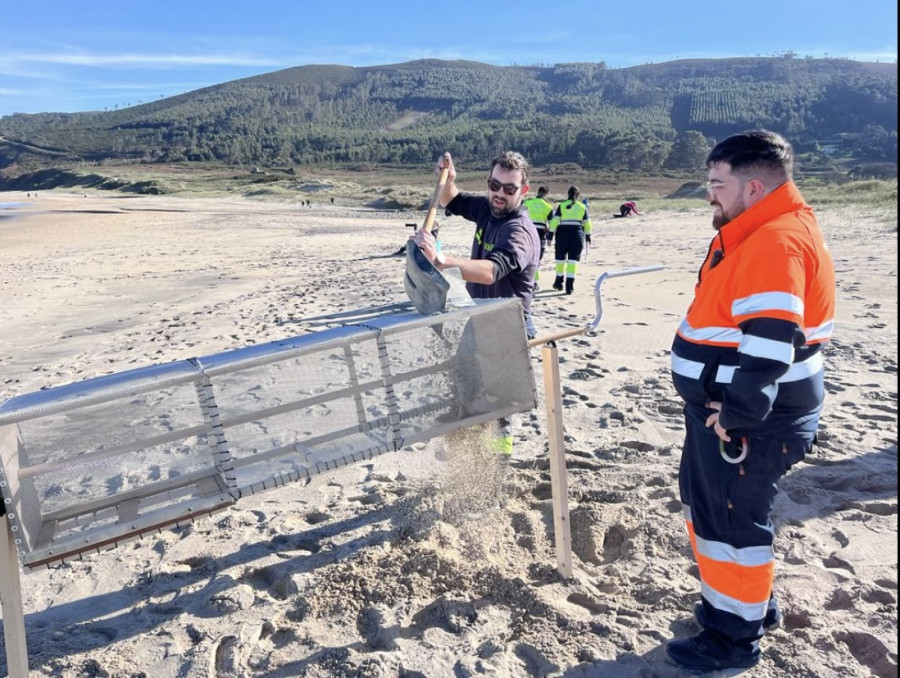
[642, 118]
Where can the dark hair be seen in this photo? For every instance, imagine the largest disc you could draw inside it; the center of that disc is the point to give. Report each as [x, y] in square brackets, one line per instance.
[573, 192]
[542, 191]
[755, 152]
[512, 161]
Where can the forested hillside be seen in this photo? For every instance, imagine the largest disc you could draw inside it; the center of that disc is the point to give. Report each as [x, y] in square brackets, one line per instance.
[643, 118]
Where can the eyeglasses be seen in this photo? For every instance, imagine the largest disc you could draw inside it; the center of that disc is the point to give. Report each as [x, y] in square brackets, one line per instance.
[718, 185]
[509, 189]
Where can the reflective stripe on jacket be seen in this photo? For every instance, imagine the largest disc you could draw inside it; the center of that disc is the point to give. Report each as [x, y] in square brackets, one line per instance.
[570, 213]
[763, 307]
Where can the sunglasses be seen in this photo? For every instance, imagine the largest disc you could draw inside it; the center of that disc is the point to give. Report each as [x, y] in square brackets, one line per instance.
[509, 189]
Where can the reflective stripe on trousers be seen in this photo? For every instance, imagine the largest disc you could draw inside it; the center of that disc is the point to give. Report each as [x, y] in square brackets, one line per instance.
[727, 509]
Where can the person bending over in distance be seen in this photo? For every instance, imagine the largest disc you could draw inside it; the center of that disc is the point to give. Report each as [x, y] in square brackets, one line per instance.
[626, 209]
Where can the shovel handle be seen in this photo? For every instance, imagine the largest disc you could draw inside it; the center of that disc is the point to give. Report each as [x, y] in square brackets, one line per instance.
[435, 199]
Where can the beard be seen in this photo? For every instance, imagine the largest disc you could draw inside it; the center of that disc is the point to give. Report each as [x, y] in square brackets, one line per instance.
[503, 211]
[725, 216]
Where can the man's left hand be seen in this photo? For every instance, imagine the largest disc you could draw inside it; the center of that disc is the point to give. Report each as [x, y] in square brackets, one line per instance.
[713, 420]
[426, 243]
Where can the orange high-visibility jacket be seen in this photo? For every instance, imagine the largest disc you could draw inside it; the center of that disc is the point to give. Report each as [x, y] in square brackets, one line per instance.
[763, 307]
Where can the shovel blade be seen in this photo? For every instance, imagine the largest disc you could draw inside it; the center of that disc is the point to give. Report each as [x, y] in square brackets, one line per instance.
[425, 285]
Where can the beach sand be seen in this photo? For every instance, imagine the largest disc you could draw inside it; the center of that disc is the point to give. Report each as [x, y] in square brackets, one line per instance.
[383, 568]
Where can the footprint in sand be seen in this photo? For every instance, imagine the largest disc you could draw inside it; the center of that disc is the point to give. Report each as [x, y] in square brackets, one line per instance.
[272, 580]
[870, 651]
[833, 562]
[451, 615]
[239, 597]
[374, 626]
[224, 658]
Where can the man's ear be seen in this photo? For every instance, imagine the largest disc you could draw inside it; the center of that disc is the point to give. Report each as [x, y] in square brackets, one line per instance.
[758, 190]
[525, 188]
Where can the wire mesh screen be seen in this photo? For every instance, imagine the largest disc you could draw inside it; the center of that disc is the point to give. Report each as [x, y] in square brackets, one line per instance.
[90, 464]
[76, 456]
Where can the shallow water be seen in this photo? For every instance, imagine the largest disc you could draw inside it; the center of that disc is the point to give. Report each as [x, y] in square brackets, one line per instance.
[9, 210]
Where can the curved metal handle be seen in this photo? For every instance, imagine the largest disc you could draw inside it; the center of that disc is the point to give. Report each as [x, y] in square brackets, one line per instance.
[564, 334]
[614, 274]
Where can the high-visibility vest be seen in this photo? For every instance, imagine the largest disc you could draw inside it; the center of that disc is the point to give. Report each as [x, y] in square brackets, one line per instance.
[571, 213]
[540, 211]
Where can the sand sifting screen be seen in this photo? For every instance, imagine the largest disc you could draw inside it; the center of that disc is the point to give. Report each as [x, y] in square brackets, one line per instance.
[90, 464]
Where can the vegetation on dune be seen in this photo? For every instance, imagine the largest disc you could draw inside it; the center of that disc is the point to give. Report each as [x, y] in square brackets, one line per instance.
[875, 197]
[398, 189]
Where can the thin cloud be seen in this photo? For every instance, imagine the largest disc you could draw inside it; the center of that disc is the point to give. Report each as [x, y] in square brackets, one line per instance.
[132, 59]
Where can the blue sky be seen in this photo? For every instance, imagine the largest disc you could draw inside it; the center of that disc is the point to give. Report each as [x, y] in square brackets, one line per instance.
[68, 56]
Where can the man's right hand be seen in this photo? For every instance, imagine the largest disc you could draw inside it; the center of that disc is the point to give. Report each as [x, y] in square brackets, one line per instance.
[713, 420]
[446, 161]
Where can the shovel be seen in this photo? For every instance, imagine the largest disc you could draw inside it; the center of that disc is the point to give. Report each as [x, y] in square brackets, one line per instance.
[428, 289]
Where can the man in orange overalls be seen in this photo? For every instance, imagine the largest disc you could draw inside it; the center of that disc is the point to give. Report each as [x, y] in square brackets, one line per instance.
[747, 360]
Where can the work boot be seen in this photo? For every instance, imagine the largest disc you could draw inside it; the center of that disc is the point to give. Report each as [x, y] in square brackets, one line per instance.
[558, 283]
[770, 623]
[503, 446]
[700, 654]
[570, 285]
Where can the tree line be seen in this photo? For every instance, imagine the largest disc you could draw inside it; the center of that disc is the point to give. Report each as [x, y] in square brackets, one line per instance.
[642, 118]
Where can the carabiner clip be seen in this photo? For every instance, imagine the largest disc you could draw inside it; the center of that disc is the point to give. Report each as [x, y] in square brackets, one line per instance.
[745, 448]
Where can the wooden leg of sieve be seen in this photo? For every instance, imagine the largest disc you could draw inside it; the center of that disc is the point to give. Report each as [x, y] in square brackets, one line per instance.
[11, 601]
[558, 484]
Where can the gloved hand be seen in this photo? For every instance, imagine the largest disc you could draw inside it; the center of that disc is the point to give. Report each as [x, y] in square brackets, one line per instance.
[549, 237]
[587, 238]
